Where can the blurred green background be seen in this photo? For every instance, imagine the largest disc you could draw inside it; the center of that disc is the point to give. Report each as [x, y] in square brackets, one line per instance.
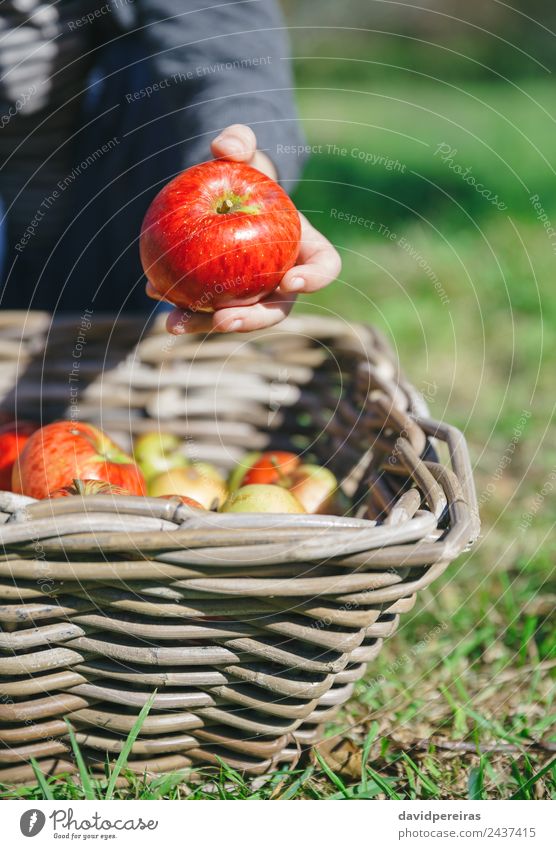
[433, 126]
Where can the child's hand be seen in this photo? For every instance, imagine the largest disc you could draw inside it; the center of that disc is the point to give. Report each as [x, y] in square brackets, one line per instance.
[318, 263]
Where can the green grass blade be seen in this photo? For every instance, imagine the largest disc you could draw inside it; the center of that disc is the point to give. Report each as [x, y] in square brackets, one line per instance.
[335, 779]
[41, 779]
[427, 783]
[475, 783]
[383, 784]
[369, 740]
[297, 785]
[131, 738]
[524, 788]
[166, 784]
[88, 788]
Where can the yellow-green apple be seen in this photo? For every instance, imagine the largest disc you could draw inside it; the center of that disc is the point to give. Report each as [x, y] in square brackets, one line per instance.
[262, 498]
[316, 488]
[158, 452]
[220, 234]
[199, 481]
[239, 471]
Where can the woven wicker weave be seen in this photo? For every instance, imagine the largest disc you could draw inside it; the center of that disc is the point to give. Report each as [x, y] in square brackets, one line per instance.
[252, 628]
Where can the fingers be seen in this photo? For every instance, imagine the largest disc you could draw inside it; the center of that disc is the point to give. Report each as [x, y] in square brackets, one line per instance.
[237, 142]
[271, 310]
[152, 293]
[268, 312]
[318, 263]
[185, 321]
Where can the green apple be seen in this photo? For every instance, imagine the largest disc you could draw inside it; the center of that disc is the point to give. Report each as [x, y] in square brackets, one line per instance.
[157, 452]
[316, 488]
[238, 472]
[262, 498]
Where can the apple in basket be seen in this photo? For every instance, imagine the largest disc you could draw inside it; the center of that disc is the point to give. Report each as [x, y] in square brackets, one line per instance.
[199, 481]
[220, 234]
[235, 478]
[13, 437]
[315, 487]
[184, 499]
[57, 454]
[272, 467]
[88, 487]
[262, 498]
[156, 452]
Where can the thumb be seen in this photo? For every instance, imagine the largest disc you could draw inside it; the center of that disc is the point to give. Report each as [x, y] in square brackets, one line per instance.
[237, 142]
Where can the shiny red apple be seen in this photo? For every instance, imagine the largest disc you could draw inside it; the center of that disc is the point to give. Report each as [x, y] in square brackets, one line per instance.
[88, 487]
[13, 437]
[220, 234]
[60, 452]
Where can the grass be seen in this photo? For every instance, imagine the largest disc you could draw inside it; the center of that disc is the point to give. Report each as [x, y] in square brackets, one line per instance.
[460, 702]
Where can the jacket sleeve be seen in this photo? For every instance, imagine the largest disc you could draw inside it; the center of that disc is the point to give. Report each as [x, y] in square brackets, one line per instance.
[224, 62]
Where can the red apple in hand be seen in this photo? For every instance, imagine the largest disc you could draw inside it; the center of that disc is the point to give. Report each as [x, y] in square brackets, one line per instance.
[60, 452]
[13, 436]
[221, 234]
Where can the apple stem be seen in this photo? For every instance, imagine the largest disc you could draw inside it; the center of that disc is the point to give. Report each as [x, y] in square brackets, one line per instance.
[225, 206]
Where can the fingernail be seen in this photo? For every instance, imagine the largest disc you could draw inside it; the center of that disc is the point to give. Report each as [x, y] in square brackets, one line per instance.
[177, 325]
[193, 326]
[190, 323]
[234, 325]
[295, 284]
[232, 145]
[234, 148]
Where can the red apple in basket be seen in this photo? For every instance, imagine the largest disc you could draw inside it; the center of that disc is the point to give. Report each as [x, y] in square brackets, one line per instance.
[220, 234]
[60, 452]
[13, 437]
[272, 467]
[88, 487]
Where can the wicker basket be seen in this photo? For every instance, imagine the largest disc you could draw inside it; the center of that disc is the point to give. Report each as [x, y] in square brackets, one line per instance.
[253, 629]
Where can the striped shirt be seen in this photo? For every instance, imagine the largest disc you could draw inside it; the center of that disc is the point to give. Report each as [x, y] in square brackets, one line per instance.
[44, 62]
